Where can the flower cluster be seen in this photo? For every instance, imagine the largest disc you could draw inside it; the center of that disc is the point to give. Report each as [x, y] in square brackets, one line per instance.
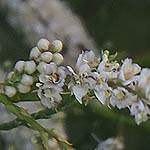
[123, 85]
[112, 84]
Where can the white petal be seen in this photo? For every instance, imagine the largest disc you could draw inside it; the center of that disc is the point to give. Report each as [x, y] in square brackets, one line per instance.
[100, 96]
[46, 102]
[84, 68]
[57, 97]
[141, 105]
[43, 78]
[71, 70]
[79, 92]
[79, 60]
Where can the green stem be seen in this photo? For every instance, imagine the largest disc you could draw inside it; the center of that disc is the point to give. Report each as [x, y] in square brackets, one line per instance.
[42, 114]
[22, 114]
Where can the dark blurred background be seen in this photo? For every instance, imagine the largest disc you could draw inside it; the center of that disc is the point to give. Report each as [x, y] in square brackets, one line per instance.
[122, 26]
[117, 25]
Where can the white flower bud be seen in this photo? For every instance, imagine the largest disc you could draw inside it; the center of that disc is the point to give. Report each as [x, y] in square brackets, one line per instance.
[43, 44]
[19, 66]
[46, 57]
[53, 144]
[57, 58]
[27, 79]
[57, 45]
[45, 68]
[42, 66]
[34, 53]
[30, 67]
[10, 74]
[23, 88]
[10, 91]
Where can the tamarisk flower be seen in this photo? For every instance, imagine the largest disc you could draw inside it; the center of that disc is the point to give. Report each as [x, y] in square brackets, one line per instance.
[77, 84]
[51, 83]
[103, 93]
[107, 70]
[140, 111]
[122, 98]
[86, 57]
[83, 79]
[128, 71]
[144, 82]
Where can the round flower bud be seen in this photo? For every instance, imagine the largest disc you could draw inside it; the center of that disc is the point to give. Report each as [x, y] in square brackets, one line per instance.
[10, 75]
[43, 44]
[57, 45]
[10, 91]
[42, 66]
[57, 58]
[19, 66]
[45, 68]
[27, 79]
[30, 67]
[34, 53]
[46, 57]
[23, 88]
[53, 144]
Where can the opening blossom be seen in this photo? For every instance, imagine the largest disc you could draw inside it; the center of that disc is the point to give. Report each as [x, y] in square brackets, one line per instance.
[51, 84]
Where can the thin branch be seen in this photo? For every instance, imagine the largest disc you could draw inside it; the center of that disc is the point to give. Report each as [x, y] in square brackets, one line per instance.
[42, 114]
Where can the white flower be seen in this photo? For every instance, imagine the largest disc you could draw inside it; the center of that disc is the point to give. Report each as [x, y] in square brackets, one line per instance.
[27, 79]
[144, 80]
[122, 98]
[10, 91]
[84, 79]
[46, 57]
[102, 92]
[107, 70]
[49, 95]
[79, 83]
[51, 84]
[128, 69]
[90, 81]
[84, 69]
[19, 66]
[23, 88]
[43, 44]
[30, 67]
[34, 53]
[140, 111]
[87, 57]
[58, 58]
[79, 91]
[57, 45]
[56, 75]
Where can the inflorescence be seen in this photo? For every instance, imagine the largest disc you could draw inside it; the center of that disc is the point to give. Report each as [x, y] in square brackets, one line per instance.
[102, 78]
